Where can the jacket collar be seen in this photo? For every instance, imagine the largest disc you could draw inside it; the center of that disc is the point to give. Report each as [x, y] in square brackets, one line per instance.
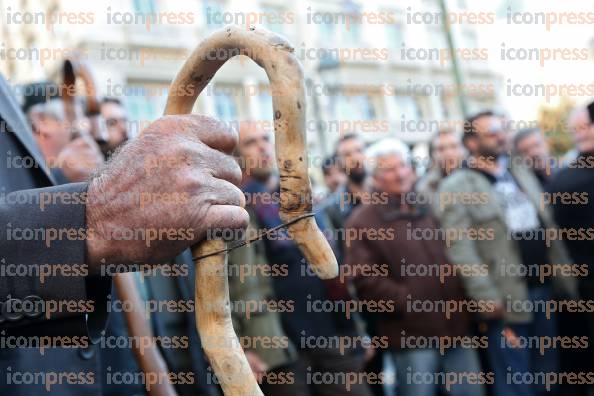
[489, 176]
[392, 210]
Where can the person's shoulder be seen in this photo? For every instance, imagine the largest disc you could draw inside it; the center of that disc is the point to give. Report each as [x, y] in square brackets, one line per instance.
[429, 182]
[563, 179]
[457, 180]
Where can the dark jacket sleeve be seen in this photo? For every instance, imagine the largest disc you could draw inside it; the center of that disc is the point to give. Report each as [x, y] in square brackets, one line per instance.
[43, 263]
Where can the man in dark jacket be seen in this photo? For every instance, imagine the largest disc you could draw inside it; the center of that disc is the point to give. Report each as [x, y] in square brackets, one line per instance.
[69, 232]
[578, 180]
[313, 322]
[571, 194]
[338, 206]
[398, 258]
[336, 209]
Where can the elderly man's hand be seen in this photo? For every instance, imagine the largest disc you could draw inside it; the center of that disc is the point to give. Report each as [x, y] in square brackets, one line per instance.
[163, 191]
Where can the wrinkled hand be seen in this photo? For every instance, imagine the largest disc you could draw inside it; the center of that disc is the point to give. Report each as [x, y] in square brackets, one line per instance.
[79, 159]
[172, 184]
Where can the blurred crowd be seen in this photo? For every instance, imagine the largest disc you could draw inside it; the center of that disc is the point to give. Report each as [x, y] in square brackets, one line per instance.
[473, 278]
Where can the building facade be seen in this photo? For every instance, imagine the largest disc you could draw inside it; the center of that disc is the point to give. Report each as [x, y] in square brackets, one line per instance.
[380, 68]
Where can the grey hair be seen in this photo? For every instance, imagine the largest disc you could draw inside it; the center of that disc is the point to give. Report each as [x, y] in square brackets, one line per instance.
[384, 148]
[523, 134]
[52, 109]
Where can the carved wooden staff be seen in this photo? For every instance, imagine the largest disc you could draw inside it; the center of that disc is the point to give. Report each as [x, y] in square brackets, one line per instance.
[213, 314]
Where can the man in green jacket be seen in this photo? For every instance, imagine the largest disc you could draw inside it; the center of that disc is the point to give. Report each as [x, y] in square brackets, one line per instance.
[501, 226]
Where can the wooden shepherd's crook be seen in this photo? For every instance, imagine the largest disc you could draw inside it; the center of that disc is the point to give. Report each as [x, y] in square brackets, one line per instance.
[275, 55]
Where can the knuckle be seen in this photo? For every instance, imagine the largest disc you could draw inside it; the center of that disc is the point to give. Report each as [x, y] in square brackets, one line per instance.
[243, 218]
[229, 194]
[220, 128]
[228, 168]
[239, 198]
[236, 172]
[232, 134]
[193, 182]
[232, 195]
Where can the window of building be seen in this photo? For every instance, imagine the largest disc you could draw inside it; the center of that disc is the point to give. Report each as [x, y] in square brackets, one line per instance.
[145, 6]
[213, 13]
[275, 21]
[470, 38]
[352, 33]
[437, 38]
[326, 33]
[225, 106]
[395, 34]
[445, 111]
[145, 103]
[265, 106]
[407, 106]
[356, 107]
[349, 23]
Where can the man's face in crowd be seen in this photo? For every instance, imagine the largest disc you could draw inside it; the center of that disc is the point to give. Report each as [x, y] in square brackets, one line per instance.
[351, 154]
[582, 131]
[256, 151]
[52, 135]
[534, 147]
[393, 175]
[490, 140]
[334, 178]
[115, 119]
[448, 151]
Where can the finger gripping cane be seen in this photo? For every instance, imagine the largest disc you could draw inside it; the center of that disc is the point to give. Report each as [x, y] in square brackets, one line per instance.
[213, 313]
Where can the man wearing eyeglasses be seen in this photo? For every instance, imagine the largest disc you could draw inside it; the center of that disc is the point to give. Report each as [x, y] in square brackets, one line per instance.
[501, 202]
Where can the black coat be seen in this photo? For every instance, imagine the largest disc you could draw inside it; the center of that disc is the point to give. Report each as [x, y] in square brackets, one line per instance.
[21, 189]
[578, 181]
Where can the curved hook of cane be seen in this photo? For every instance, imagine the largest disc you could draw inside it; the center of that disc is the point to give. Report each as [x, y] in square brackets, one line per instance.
[73, 69]
[275, 55]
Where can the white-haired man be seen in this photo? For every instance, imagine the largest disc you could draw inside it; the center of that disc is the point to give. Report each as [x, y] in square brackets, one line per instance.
[69, 160]
[49, 129]
[394, 240]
